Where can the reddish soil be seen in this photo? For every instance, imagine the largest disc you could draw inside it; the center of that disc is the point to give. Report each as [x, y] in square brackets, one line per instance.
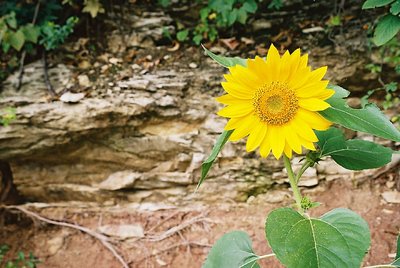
[188, 246]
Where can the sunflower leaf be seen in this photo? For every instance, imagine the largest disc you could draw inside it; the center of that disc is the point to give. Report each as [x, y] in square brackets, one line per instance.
[396, 261]
[352, 154]
[206, 165]
[340, 238]
[232, 250]
[368, 119]
[225, 61]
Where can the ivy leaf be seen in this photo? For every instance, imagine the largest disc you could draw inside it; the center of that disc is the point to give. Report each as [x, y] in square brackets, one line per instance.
[31, 32]
[395, 8]
[225, 61]
[387, 28]
[375, 3]
[207, 164]
[352, 154]
[250, 6]
[340, 238]
[368, 119]
[182, 35]
[232, 250]
[16, 39]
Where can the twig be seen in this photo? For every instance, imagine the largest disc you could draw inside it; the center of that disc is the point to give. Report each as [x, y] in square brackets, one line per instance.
[162, 222]
[46, 75]
[103, 239]
[22, 60]
[177, 228]
[172, 247]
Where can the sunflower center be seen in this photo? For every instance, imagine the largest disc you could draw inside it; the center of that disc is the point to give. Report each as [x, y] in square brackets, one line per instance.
[275, 103]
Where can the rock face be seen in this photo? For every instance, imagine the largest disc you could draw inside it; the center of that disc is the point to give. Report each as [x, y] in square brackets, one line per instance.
[143, 140]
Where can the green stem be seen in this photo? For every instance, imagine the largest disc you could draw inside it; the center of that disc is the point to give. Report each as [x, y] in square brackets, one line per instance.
[303, 168]
[293, 183]
[258, 258]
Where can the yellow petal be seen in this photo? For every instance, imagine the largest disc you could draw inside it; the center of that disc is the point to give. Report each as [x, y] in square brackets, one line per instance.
[303, 129]
[318, 74]
[292, 139]
[229, 99]
[277, 140]
[233, 123]
[299, 78]
[273, 62]
[236, 110]
[313, 104]
[308, 145]
[245, 76]
[285, 67]
[314, 119]
[256, 136]
[246, 125]
[303, 61]
[312, 90]
[288, 151]
[238, 91]
[265, 147]
[259, 67]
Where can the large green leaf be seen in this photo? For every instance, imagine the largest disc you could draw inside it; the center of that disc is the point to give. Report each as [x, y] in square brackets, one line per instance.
[16, 39]
[396, 261]
[339, 238]
[376, 3]
[225, 61]
[232, 250]
[387, 28]
[31, 32]
[352, 154]
[206, 165]
[368, 119]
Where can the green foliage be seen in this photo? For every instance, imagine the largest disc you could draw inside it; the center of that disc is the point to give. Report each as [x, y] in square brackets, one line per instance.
[225, 61]
[340, 238]
[232, 250]
[7, 116]
[19, 261]
[368, 119]
[275, 4]
[389, 25]
[164, 3]
[206, 165]
[53, 35]
[397, 258]
[352, 154]
[12, 35]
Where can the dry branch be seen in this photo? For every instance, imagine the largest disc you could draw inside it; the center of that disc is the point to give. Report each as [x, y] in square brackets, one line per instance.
[103, 239]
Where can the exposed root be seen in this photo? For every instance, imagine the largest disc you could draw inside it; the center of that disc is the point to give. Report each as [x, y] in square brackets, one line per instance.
[103, 239]
[178, 228]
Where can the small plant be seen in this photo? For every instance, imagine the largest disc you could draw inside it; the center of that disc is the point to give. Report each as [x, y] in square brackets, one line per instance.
[53, 35]
[281, 106]
[7, 116]
[20, 261]
[389, 25]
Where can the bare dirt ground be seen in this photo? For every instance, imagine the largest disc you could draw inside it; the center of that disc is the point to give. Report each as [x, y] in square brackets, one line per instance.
[182, 236]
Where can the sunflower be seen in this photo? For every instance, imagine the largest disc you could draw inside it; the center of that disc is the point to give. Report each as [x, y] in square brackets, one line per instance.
[275, 102]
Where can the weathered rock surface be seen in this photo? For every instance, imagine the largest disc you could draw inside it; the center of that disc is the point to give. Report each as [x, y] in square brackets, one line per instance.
[142, 138]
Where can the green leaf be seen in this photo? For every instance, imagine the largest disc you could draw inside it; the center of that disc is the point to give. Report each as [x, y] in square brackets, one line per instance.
[197, 39]
[206, 165]
[368, 119]
[250, 6]
[352, 154]
[386, 29]
[232, 250]
[395, 8]
[397, 258]
[31, 32]
[242, 16]
[375, 3]
[225, 61]
[11, 20]
[16, 39]
[182, 35]
[339, 238]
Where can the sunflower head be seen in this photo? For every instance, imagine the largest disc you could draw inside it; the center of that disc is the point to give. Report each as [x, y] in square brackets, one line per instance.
[275, 102]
